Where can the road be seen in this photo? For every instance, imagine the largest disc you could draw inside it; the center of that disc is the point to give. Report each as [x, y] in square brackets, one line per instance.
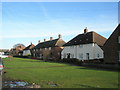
[0, 82]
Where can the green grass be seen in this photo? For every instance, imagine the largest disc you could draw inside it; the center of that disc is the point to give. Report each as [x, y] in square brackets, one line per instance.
[64, 75]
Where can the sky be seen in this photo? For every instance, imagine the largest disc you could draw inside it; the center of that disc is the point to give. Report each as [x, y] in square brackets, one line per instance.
[26, 22]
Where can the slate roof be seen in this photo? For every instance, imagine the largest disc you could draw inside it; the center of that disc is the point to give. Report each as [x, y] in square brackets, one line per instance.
[29, 47]
[86, 38]
[46, 44]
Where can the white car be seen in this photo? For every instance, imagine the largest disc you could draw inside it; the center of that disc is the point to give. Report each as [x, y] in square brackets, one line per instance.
[3, 56]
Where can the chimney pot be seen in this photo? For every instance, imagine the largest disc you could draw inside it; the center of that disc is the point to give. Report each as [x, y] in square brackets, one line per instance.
[85, 30]
[44, 40]
[51, 38]
[38, 41]
[59, 36]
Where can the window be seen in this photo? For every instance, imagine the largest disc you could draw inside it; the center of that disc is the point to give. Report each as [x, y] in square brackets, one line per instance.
[81, 46]
[87, 56]
[72, 55]
[98, 56]
[64, 55]
[72, 47]
[34, 54]
[49, 48]
[119, 39]
[40, 49]
[40, 55]
[81, 56]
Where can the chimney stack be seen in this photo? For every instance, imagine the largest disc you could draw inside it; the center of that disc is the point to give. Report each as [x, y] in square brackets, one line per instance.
[38, 41]
[44, 40]
[59, 36]
[51, 38]
[85, 30]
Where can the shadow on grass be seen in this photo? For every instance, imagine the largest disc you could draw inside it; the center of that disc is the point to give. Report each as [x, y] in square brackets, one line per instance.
[88, 67]
[98, 68]
[85, 86]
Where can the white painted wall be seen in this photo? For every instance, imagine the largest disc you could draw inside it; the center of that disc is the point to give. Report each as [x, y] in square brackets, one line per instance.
[26, 52]
[80, 51]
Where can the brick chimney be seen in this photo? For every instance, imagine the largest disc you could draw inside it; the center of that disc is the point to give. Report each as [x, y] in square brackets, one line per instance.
[51, 38]
[59, 36]
[44, 40]
[85, 30]
[38, 41]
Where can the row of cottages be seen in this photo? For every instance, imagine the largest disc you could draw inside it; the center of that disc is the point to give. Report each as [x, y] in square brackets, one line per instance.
[50, 49]
[112, 48]
[85, 46]
[28, 50]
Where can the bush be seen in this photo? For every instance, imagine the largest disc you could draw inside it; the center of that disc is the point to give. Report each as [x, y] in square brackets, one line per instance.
[72, 61]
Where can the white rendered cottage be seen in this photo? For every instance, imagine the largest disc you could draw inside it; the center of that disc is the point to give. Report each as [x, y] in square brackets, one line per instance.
[86, 46]
[27, 50]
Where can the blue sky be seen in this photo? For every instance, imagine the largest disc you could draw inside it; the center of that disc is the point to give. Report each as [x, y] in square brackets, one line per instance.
[26, 22]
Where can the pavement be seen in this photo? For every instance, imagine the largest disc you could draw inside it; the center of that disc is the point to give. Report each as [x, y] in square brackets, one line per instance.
[0, 82]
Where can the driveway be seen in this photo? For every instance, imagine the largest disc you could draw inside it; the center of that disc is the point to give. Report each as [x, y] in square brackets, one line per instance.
[0, 82]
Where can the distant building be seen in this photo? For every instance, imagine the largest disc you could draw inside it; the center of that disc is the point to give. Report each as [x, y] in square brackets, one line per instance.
[49, 49]
[112, 47]
[4, 51]
[17, 50]
[27, 50]
[86, 46]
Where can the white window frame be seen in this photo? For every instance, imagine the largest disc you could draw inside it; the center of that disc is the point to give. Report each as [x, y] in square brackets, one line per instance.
[98, 55]
[49, 48]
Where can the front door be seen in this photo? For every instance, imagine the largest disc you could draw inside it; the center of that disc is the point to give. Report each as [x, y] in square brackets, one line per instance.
[68, 55]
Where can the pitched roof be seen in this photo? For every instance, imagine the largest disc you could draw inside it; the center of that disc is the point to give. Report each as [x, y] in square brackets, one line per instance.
[117, 30]
[47, 44]
[86, 38]
[29, 47]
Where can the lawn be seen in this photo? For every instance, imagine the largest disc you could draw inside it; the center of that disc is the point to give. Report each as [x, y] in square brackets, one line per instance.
[64, 75]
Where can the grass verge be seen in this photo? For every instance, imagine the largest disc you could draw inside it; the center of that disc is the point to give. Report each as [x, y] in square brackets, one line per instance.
[58, 75]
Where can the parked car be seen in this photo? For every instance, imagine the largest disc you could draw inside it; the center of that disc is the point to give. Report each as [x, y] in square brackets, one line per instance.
[3, 56]
[1, 66]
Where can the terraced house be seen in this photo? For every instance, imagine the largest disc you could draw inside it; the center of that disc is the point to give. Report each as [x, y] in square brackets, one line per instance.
[50, 49]
[86, 46]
